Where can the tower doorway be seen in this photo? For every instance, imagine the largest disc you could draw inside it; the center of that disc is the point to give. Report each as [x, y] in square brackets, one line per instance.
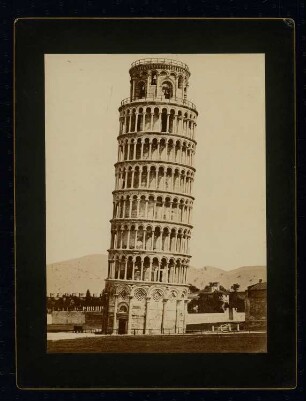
[122, 326]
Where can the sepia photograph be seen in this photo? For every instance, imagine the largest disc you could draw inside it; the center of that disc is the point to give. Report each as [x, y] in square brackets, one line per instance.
[155, 204]
[155, 180]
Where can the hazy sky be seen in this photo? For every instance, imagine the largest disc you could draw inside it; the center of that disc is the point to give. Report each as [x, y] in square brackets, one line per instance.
[83, 93]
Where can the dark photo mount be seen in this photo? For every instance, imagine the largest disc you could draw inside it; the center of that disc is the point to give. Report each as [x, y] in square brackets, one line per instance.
[35, 368]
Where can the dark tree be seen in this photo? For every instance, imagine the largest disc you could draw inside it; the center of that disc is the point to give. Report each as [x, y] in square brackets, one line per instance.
[193, 288]
[235, 287]
[193, 306]
[211, 302]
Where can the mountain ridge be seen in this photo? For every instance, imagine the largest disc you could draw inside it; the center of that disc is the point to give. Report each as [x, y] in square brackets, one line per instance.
[89, 272]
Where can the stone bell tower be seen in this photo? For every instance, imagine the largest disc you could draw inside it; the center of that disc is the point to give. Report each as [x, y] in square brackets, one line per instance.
[146, 288]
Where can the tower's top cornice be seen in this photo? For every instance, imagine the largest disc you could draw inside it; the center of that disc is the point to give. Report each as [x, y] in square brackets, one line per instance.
[162, 62]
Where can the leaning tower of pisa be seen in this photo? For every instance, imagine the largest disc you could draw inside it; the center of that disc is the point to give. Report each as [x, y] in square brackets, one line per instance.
[146, 288]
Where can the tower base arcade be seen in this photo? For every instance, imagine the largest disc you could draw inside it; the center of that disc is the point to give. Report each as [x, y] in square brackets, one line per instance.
[144, 308]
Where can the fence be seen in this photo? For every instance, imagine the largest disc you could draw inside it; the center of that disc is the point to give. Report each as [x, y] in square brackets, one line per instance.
[222, 328]
[152, 60]
[177, 100]
[227, 328]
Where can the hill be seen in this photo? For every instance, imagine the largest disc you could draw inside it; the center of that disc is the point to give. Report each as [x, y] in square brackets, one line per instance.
[89, 272]
[77, 275]
[244, 276]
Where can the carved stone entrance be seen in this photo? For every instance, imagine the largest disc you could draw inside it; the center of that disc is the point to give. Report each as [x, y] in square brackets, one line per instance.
[122, 326]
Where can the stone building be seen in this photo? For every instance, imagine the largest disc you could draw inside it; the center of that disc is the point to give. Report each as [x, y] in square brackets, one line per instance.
[256, 307]
[146, 288]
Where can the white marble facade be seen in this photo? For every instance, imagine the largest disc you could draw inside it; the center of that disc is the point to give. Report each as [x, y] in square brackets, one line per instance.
[146, 288]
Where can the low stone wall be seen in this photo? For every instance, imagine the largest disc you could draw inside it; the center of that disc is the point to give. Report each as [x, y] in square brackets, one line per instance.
[68, 317]
[88, 319]
[93, 320]
[198, 318]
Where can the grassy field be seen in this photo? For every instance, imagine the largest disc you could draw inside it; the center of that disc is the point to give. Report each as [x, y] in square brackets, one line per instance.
[235, 342]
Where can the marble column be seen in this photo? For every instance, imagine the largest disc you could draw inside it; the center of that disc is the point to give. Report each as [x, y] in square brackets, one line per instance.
[141, 269]
[130, 315]
[164, 315]
[146, 328]
[115, 315]
[185, 315]
[125, 268]
[177, 316]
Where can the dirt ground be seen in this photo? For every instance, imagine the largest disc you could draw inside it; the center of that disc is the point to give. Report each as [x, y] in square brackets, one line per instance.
[205, 343]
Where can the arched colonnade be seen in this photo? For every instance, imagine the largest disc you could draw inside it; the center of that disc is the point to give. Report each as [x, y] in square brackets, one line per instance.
[154, 176]
[150, 237]
[153, 207]
[156, 148]
[159, 119]
[148, 268]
